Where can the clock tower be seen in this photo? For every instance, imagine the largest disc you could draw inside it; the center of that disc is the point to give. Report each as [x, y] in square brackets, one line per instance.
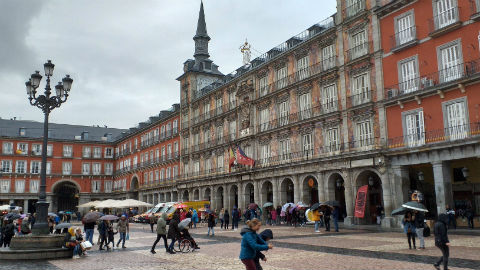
[200, 71]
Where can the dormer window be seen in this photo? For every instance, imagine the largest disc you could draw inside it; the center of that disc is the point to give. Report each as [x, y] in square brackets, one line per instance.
[85, 135]
[22, 132]
[207, 65]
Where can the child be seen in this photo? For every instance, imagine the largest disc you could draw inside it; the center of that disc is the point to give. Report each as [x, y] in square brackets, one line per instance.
[266, 235]
[111, 237]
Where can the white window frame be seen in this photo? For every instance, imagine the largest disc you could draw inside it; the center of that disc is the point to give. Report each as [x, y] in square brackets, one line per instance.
[332, 139]
[456, 118]
[17, 166]
[66, 168]
[302, 68]
[108, 184]
[413, 127]
[7, 148]
[328, 57]
[445, 13]
[5, 186]
[35, 167]
[86, 151]
[281, 77]
[408, 74]
[284, 149]
[6, 166]
[305, 105]
[364, 134]
[283, 113]
[23, 147]
[34, 186]
[264, 119]
[359, 44]
[307, 144]
[108, 168]
[450, 61]
[96, 168]
[263, 86]
[49, 150]
[85, 168]
[329, 98]
[405, 29]
[96, 186]
[97, 152]
[361, 89]
[232, 130]
[19, 185]
[108, 152]
[67, 150]
[36, 149]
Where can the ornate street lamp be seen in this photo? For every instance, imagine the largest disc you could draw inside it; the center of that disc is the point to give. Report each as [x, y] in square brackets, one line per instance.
[46, 103]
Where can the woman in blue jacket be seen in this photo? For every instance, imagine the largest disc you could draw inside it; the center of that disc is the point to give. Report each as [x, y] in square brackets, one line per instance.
[409, 229]
[251, 243]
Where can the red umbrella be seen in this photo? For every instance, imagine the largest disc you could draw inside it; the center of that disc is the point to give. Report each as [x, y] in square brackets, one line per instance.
[253, 206]
[181, 205]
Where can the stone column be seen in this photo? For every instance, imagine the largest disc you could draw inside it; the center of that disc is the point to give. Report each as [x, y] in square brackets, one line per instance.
[282, 192]
[296, 189]
[256, 193]
[213, 195]
[350, 197]
[241, 195]
[387, 201]
[401, 180]
[25, 206]
[225, 196]
[443, 185]
[276, 192]
[321, 187]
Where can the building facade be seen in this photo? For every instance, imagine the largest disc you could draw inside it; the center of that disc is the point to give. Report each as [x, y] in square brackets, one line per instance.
[378, 95]
[431, 50]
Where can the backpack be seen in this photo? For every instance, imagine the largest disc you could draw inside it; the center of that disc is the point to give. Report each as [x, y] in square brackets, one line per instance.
[426, 231]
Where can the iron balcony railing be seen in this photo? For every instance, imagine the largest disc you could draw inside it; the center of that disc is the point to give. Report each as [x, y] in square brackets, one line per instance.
[452, 133]
[445, 76]
[358, 50]
[444, 19]
[361, 97]
[403, 37]
[354, 8]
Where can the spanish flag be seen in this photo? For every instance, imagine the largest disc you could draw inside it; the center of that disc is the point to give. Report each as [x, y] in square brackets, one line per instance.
[231, 159]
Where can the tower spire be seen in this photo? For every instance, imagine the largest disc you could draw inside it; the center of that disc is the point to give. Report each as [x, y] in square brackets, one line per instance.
[201, 37]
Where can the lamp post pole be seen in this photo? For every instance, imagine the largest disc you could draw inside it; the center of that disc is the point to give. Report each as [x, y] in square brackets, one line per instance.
[46, 102]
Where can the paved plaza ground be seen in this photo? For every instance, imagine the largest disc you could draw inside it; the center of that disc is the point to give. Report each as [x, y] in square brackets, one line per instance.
[294, 249]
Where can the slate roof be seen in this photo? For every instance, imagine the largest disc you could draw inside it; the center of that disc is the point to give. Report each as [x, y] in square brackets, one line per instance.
[34, 130]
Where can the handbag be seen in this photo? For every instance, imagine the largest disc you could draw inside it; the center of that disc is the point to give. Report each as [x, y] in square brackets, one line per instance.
[127, 237]
[86, 245]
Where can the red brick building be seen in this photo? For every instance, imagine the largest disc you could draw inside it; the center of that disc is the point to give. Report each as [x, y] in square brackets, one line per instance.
[87, 163]
[431, 74]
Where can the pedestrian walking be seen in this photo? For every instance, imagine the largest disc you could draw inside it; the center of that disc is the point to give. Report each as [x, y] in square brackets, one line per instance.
[235, 218]
[221, 217]
[88, 228]
[8, 232]
[336, 216]
[451, 217]
[102, 230]
[326, 218]
[124, 229]
[161, 232]
[419, 222]
[470, 214]
[251, 243]
[226, 219]
[110, 236]
[194, 218]
[441, 241]
[273, 214]
[409, 229]
[379, 212]
[316, 218]
[211, 224]
[173, 232]
[266, 236]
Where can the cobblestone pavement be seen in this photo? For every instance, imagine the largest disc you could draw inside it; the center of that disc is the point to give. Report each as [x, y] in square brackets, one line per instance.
[294, 249]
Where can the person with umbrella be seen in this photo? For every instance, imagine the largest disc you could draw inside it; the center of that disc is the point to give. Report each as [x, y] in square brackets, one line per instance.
[441, 240]
[8, 232]
[336, 216]
[102, 230]
[326, 217]
[173, 232]
[419, 222]
[124, 229]
[211, 224]
[161, 232]
[409, 229]
[235, 218]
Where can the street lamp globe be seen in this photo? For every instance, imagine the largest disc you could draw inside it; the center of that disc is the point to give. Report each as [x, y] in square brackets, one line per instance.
[35, 79]
[67, 83]
[59, 89]
[28, 85]
[48, 68]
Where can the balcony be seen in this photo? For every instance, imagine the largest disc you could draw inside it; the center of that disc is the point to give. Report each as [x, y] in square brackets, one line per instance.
[449, 134]
[404, 39]
[355, 8]
[365, 96]
[232, 105]
[443, 78]
[358, 51]
[329, 63]
[444, 22]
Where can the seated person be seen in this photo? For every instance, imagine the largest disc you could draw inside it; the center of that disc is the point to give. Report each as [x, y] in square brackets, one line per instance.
[73, 238]
[185, 234]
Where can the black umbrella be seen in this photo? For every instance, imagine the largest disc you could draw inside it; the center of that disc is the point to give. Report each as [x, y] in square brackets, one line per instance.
[415, 206]
[315, 206]
[91, 216]
[12, 216]
[399, 211]
[63, 225]
[332, 203]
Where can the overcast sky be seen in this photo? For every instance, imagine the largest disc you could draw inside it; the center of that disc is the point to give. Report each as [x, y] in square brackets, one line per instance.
[124, 56]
